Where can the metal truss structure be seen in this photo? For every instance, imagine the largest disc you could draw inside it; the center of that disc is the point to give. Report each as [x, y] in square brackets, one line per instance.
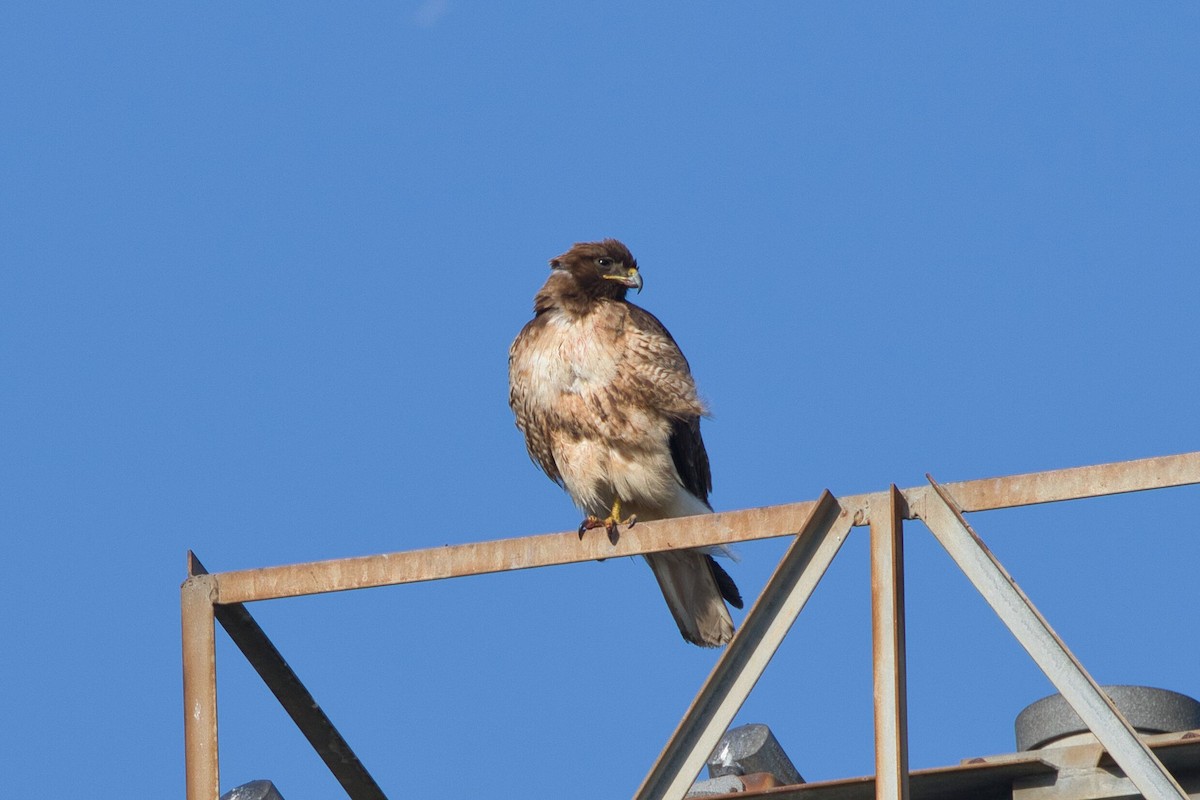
[818, 527]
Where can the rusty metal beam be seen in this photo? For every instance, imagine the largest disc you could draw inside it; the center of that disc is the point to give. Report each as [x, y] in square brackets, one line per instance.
[888, 661]
[745, 658]
[295, 698]
[1076, 483]
[203, 777]
[730, 526]
[943, 516]
[507, 554]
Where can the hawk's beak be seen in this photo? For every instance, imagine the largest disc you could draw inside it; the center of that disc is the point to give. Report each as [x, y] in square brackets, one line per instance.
[632, 279]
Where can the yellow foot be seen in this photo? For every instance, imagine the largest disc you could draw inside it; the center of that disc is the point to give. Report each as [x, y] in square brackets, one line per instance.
[610, 523]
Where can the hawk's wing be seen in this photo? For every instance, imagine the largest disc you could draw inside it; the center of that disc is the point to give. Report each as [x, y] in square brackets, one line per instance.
[688, 455]
[664, 356]
[690, 458]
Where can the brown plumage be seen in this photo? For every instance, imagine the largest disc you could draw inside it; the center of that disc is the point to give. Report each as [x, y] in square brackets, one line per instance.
[609, 411]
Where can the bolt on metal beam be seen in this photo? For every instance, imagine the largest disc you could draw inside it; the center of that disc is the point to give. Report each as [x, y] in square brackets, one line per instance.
[944, 518]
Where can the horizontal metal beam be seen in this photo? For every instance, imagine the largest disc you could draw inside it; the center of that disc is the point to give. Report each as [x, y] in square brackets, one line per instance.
[944, 518]
[502, 555]
[987, 494]
[647, 537]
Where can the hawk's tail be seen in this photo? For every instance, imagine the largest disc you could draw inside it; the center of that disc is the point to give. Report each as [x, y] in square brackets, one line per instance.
[696, 589]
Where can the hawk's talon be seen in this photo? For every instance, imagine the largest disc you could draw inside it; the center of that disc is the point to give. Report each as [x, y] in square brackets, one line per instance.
[611, 523]
[588, 523]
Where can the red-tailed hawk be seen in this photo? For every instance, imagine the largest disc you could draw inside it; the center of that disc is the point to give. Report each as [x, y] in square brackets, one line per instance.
[609, 411]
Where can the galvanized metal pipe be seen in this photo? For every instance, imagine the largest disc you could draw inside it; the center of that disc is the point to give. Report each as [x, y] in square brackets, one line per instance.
[888, 651]
[944, 518]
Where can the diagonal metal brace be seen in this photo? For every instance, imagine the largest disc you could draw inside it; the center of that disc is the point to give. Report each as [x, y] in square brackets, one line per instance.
[944, 518]
[293, 696]
[740, 666]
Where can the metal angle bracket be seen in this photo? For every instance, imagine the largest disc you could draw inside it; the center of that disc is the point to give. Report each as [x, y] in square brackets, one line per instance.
[944, 518]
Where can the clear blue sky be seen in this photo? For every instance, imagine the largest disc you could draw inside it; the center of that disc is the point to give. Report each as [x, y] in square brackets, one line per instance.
[262, 265]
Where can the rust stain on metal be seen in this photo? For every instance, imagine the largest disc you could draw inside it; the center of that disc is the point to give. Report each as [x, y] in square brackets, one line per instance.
[759, 781]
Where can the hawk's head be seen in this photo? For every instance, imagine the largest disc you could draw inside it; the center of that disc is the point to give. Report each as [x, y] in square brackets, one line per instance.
[600, 269]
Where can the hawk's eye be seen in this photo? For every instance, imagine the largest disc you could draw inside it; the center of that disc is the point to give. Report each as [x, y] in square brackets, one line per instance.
[604, 262]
